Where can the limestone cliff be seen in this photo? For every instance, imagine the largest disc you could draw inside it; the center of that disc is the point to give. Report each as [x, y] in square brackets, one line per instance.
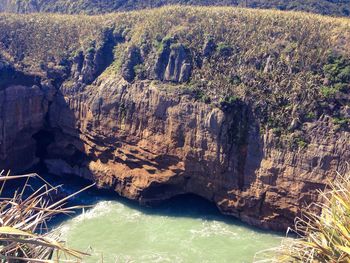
[160, 118]
[149, 144]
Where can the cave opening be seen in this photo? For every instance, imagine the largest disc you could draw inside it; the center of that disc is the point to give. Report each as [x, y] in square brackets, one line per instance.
[186, 205]
[179, 205]
[43, 139]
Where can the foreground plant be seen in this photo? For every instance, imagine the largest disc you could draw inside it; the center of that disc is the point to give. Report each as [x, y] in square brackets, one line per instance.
[24, 234]
[322, 237]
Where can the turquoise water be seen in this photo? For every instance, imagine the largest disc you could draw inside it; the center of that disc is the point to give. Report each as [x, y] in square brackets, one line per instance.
[185, 229]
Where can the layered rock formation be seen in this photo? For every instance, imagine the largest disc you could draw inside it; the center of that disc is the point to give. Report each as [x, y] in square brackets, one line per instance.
[134, 123]
[149, 143]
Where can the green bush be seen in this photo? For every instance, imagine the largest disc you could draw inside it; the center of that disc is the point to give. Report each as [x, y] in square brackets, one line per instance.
[140, 71]
[310, 116]
[338, 69]
[224, 49]
[329, 92]
[341, 121]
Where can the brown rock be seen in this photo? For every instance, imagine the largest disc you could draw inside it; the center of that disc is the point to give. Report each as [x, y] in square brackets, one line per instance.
[151, 144]
[22, 114]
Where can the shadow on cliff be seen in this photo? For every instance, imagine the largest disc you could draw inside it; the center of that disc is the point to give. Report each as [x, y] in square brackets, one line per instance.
[58, 144]
[182, 206]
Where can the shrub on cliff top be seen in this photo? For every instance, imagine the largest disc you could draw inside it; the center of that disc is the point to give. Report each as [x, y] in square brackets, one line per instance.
[322, 237]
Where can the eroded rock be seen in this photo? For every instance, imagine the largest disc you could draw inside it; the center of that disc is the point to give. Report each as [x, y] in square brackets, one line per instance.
[148, 144]
[174, 63]
[132, 59]
[22, 114]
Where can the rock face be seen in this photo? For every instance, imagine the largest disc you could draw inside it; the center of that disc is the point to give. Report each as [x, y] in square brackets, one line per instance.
[173, 63]
[150, 142]
[22, 114]
[133, 58]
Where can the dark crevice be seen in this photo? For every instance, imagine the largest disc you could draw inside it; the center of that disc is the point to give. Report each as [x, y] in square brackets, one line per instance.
[11, 77]
[158, 190]
[43, 139]
[105, 56]
[191, 202]
[261, 203]
[237, 136]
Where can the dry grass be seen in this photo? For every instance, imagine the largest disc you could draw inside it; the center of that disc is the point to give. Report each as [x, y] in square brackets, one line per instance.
[338, 8]
[322, 237]
[36, 38]
[24, 234]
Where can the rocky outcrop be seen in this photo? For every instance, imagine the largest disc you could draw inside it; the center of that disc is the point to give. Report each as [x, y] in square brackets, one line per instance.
[150, 144]
[88, 65]
[22, 115]
[174, 62]
[132, 59]
[24, 102]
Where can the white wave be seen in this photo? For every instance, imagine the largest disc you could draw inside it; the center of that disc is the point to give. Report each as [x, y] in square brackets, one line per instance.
[213, 228]
[99, 210]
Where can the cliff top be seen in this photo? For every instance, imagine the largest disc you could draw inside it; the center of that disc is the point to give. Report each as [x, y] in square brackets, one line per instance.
[325, 7]
[32, 39]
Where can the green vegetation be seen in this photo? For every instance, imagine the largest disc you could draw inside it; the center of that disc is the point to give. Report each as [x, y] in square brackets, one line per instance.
[224, 49]
[323, 231]
[338, 69]
[140, 71]
[327, 7]
[341, 122]
[24, 214]
[329, 92]
[337, 76]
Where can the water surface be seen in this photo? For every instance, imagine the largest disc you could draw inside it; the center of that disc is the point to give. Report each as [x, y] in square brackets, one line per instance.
[185, 229]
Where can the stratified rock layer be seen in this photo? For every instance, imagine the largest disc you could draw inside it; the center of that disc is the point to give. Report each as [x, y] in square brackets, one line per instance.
[149, 144]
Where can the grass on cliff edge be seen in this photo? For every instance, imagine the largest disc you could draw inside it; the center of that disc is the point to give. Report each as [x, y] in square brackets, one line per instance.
[302, 40]
[322, 237]
[24, 214]
[338, 8]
